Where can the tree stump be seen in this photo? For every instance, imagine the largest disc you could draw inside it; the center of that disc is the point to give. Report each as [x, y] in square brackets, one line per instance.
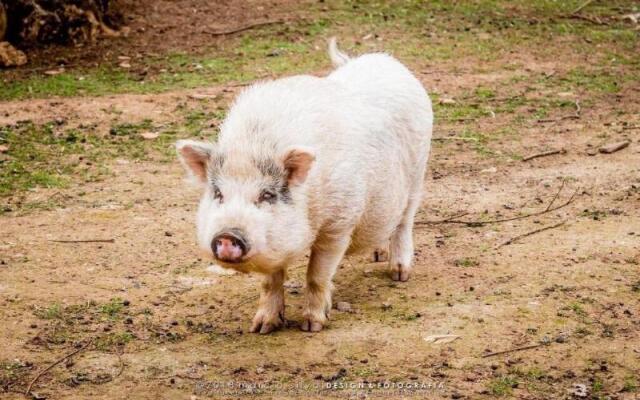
[31, 22]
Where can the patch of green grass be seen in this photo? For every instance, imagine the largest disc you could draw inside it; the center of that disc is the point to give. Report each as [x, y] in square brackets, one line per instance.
[51, 156]
[466, 262]
[502, 386]
[54, 311]
[582, 332]
[418, 32]
[113, 339]
[601, 81]
[113, 308]
[630, 384]
[597, 386]
[12, 372]
[596, 215]
[578, 309]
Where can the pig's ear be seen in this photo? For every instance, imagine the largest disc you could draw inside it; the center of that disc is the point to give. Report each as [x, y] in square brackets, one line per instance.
[194, 156]
[297, 161]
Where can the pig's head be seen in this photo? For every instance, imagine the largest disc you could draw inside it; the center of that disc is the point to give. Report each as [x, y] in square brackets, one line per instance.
[253, 213]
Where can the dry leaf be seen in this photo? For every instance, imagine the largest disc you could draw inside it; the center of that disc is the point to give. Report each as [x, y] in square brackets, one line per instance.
[441, 339]
[149, 135]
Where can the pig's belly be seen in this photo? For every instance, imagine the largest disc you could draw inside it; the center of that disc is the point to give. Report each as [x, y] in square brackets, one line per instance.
[381, 217]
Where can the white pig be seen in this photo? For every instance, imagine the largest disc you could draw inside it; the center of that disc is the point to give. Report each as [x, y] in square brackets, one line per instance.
[330, 165]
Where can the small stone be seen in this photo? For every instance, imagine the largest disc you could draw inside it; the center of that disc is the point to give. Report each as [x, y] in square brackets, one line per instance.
[126, 303]
[125, 65]
[343, 306]
[613, 147]
[579, 390]
[260, 370]
[561, 338]
[53, 72]
[4, 148]
[447, 101]
[386, 305]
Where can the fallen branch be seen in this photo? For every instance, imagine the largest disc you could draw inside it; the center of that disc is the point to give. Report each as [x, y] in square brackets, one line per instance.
[247, 27]
[85, 241]
[497, 353]
[58, 361]
[594, 20]
[613, 147]
[544, 154]
[495, 221]
[513, 239]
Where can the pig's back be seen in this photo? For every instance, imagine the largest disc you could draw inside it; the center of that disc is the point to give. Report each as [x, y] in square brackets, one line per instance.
[394, 140]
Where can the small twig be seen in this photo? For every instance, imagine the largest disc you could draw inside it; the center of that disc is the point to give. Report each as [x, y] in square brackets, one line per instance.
[85, 241]
[594, 20]
[556, 196]
[575, 115]
[544, 154]
[466, 139]
[181, 376]
[513, 239]
[457, 119]
[44, 371]
[247, 27]
[495, 221]
[497, 353]
[448, 219]
[581, 7]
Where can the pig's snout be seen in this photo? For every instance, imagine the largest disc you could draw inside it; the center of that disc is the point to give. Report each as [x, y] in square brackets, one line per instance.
[229, 246]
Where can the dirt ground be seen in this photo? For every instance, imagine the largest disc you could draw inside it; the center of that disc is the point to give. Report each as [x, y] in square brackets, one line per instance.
[556, 286]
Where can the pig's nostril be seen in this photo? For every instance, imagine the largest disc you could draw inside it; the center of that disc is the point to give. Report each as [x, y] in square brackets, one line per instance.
[229, 246]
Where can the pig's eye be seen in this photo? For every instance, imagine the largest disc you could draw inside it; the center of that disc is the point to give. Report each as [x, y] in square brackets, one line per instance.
[217, 194]
[267, 196]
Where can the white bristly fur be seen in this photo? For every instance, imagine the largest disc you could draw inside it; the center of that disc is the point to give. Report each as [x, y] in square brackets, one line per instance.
[364, 131]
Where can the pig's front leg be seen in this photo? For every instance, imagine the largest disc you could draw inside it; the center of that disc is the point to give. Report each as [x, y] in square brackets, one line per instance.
[325, 257]
[270, 314]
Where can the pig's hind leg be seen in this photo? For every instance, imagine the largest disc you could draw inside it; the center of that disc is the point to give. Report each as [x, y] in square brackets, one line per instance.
[270, 314]
[401, 243]
[326, 255]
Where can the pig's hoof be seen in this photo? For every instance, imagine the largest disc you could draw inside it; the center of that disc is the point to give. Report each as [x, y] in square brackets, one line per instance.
[263, 324]
[311, 326]
[400, 273]
[380, 255]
